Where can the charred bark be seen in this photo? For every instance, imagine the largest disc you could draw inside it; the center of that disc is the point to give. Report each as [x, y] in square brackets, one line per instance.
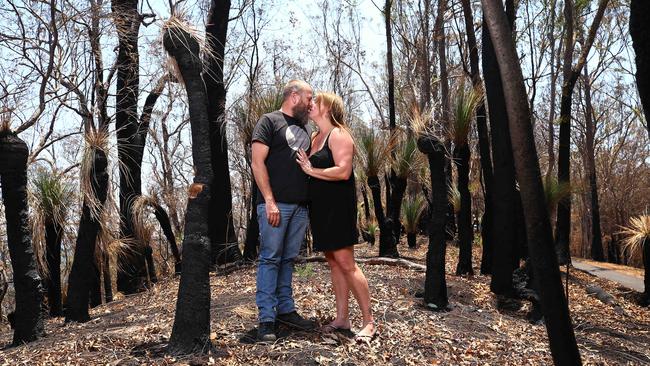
[387, 244]
[464, 215]
[166, 226]
[252, 241]
[435, 283]
[504, 193]
[562, 339]
[29, 315]
[224, 248]
[53, 238]
[640, 32]
[131, 273]
[191, 329]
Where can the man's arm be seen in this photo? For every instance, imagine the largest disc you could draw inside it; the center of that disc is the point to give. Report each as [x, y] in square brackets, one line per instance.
[261, 175]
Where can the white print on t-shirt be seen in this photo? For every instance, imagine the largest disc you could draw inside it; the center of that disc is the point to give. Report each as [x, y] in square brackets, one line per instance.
[297, 138]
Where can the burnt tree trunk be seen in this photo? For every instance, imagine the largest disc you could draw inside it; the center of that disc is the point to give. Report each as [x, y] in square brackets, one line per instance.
[53, 238]
[96, 287]
[165, 225]
[131, 273]
[640, 32]
[191, 329]
[464, 216]
[504, 195]
[252, 241]
[411, 240]
[224, 248]
[435, 283]
[596, 244]
[82, 274]
[398, 188]
[483, 142]
[387, 244]
[570, 73]
[538, 226]
[29, 315]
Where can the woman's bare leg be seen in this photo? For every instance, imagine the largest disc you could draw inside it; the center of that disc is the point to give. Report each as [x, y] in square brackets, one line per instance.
[341, 293]
[357, 282]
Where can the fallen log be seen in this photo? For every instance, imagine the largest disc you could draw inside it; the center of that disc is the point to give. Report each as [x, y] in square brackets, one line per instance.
[397, 262]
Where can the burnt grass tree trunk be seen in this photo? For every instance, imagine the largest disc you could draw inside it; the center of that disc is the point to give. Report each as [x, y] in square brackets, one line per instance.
[504, 251]
[387, 244]
[222, 230]
[252, 241]
[82, 275]
[562, 339]
[166, 226]
[131, 273]
[53, 238]
[435, 283]
[96, 287]
[640, 32]
[191, 329]
[464, 217]
[29, 314]
[483, 143]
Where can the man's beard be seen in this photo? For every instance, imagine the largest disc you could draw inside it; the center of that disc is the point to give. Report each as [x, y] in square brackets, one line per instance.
[301, 113]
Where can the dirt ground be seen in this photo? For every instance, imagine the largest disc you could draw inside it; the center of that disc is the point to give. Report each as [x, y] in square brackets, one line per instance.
[134, 330]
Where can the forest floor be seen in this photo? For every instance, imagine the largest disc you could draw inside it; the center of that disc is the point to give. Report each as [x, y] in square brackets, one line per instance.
[134, 330]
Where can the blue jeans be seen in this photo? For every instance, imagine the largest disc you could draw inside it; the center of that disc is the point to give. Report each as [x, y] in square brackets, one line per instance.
[278, 248]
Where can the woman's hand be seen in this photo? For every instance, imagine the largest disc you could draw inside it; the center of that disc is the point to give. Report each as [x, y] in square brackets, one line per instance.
[305, 164]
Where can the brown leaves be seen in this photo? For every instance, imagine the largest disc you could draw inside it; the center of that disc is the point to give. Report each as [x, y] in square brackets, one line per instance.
[135, 329]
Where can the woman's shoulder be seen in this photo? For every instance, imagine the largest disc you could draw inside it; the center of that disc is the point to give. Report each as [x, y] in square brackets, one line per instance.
[341, 136]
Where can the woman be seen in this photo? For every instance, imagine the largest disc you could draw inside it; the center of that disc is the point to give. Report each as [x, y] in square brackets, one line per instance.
[333, 210]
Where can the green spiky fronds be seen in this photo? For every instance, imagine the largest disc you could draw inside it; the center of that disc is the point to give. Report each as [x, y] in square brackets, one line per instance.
[50, 198]
[412, 209]
[636, 234]
[464, 108]
[453, 195]
[52, 195]
[554, 192]
[372, 228]
[374, 149]
[407, 158]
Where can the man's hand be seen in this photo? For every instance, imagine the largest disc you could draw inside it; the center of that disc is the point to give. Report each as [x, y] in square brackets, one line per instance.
[272, 213]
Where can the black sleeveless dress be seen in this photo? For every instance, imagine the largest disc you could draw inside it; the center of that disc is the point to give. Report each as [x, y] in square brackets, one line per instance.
[333, 206]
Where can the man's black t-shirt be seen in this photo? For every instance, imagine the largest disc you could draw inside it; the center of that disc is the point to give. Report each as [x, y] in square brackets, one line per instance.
[284, 135]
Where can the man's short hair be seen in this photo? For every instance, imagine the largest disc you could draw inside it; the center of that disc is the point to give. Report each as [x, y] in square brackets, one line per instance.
[294, 85]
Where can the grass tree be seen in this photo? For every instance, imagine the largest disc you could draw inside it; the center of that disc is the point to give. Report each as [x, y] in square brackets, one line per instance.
[405, 161]
[637, 240]
[464, 109]
[28, 318]
[94, 188]
[414, 206]
[191, 329]
[374, 150]
[52, 200]
[640, 33]
[435, 283]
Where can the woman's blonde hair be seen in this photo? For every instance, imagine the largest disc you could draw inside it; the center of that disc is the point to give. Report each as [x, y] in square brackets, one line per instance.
[336, 108]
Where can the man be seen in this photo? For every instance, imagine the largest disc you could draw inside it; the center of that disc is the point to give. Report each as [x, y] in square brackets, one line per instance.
[281, 209]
